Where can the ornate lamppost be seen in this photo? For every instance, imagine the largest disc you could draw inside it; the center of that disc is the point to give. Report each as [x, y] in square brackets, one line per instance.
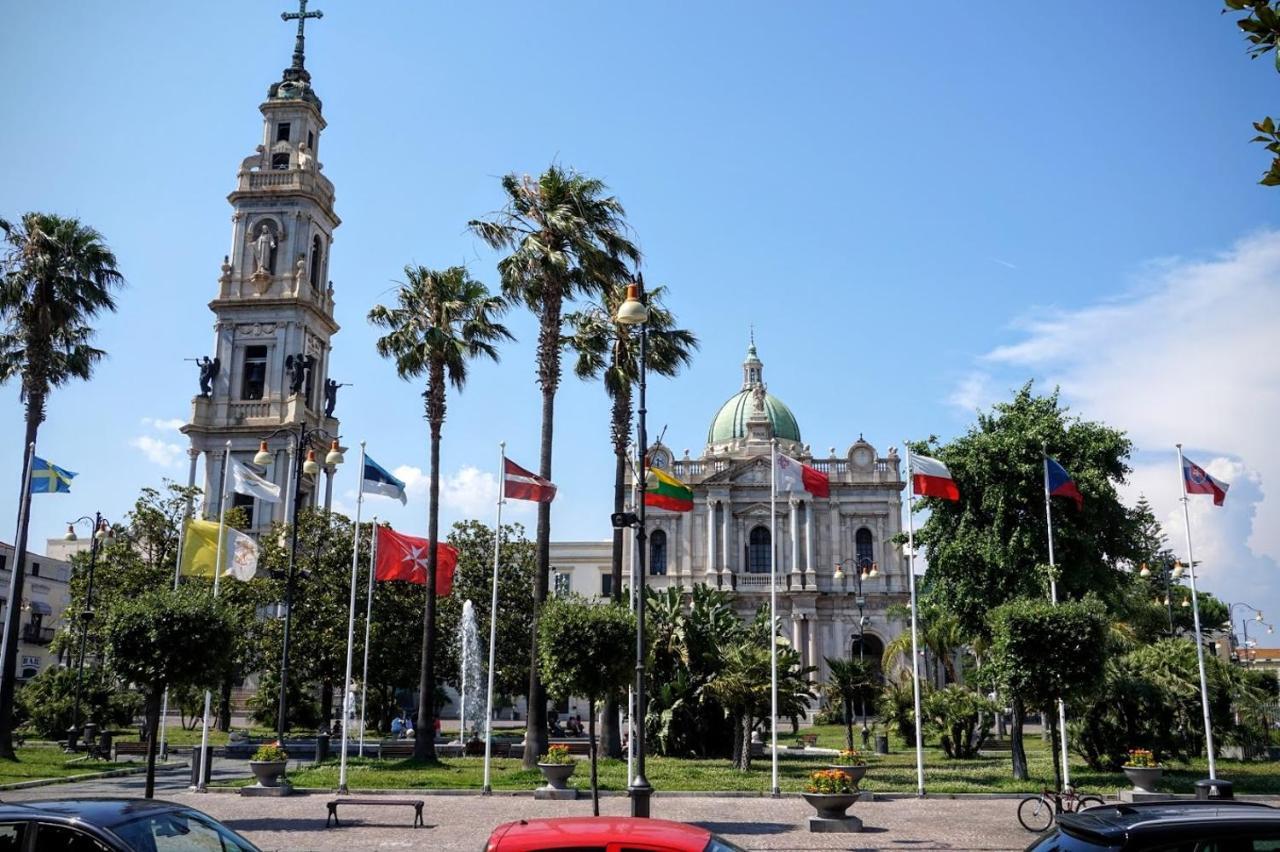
[101, 533]
[634, 312]
[300, 437]
[866, 570]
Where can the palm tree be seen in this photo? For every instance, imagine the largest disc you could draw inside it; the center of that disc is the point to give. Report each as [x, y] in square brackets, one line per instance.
[442, 320]
[850, 681]
[55, 277]
[566, 237]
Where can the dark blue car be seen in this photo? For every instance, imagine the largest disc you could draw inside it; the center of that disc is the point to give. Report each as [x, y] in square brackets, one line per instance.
[112, 825]
[1170, 826]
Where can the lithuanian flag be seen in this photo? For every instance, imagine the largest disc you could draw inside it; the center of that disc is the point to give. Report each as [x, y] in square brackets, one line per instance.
[664, 491]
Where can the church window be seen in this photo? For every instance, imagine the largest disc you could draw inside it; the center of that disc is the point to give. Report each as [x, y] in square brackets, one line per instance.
[243, 501]
[311, 142]
[253, 384]
[280, 161]
[282, 131]
[606, 585]
[758, 547]
[562, 583]
[657, 553]
[316, 256]
[862, 548]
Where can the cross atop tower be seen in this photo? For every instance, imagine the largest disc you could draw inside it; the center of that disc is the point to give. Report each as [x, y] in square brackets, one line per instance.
[301, 16]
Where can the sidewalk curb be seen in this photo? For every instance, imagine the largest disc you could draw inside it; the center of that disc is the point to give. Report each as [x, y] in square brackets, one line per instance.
[91, 776]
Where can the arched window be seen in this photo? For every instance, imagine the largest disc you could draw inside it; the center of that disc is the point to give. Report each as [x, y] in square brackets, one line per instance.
[657, 552]
[316, 256]
[758, 551]
[863, 549]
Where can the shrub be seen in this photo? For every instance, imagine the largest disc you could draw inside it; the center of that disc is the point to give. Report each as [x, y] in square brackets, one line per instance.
[961, 717]
[47, 700]
[897, 706]
[270, 752]
[851, 757]
[558, 754]
[303, 708]
[829, 781]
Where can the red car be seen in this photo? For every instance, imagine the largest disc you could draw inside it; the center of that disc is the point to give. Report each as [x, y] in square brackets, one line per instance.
[605, 834]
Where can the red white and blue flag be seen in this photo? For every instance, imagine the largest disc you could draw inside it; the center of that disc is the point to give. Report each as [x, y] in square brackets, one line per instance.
[1199, 481]
[1060, 484]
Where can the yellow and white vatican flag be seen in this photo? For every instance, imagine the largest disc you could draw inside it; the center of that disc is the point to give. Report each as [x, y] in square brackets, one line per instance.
[200, 551]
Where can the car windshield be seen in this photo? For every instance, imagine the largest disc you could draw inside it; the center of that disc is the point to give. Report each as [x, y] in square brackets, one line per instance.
[719, 844]
[179, 831]
[1057, 841]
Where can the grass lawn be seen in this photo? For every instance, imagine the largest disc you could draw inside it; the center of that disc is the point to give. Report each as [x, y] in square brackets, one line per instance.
[894, 772]
[39, 762]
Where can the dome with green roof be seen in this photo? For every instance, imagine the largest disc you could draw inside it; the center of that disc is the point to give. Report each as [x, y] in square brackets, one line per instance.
[729, 426]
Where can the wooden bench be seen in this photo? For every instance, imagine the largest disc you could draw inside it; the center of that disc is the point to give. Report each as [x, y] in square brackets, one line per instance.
[130, 749]
[396, 748]
[333, 808]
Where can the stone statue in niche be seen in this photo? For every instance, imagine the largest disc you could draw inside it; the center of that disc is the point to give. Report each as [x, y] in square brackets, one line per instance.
[264, 250]
[757, 396]
[299, 274]
[298, 367]
[209, 368]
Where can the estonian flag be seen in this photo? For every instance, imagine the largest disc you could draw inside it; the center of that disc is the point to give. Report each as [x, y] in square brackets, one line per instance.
[48, 478]
[378, 481]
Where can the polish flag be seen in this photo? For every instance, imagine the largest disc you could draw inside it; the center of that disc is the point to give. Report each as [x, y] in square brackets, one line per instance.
[930, 478]
[1200, 482]
[791, 475]
[521, 484]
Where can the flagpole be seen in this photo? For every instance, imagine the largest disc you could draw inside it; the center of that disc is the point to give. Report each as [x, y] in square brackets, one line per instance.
[773, 611]
[493, 616]
[636, 486]
[915, 653]
[177, 574]
[15, 576]
[351, 626]
[1053, 598]
[217, 575]
[368, 615]
[1195, 613]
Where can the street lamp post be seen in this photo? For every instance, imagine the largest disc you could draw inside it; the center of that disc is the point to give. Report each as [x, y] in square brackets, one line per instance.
[1170, 574]
[300, 438]
[634, 312]
[866, 570]
[1244, 624]
[101, 532]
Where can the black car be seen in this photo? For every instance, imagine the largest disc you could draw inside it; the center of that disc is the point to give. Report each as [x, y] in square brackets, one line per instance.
[112, 825]
[1173, 826]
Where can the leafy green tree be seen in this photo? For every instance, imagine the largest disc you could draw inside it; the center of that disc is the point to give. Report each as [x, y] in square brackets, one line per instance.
[443, 320]
[608, 350]
[168, 638]
[990, 546]
[47, 700]
[566, 237]
[473, 581]
[851, 683]
[56, 276]
[583, 650]
[1041, 652]
[1261, 28]
[961, 717]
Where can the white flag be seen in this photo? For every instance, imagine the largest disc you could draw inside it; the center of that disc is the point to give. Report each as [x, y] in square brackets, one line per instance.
[245, 481]
[242, 556]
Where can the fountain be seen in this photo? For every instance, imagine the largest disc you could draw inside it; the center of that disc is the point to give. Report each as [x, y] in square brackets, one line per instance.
[471, 693]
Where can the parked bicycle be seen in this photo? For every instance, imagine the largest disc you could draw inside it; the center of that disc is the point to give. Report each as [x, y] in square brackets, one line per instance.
[1037, 813]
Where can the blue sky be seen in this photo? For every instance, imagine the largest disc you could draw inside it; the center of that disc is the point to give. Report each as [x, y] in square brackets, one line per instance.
[917, 208]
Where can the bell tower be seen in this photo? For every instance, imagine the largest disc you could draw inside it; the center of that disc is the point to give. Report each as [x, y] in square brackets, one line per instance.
[273, 306]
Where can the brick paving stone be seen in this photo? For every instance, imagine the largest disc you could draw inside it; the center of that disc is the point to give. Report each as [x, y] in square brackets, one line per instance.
[463, 822]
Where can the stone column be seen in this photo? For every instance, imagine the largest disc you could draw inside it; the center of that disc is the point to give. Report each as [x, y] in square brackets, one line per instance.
[811, 580]
[815, 648]
[797, 641]
[833, 534]
[712, 568]
[328, 488]
[793, 531]
[727, 566]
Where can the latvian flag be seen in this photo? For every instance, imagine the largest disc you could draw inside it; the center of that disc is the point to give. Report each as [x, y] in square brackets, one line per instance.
[791, 475]
[664, 491]
[930, 478]
[521, 484]
[1200, 482]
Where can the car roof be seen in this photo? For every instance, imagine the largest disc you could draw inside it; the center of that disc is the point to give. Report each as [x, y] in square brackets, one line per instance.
[96, 811]
[582, 831]
[1114, 823]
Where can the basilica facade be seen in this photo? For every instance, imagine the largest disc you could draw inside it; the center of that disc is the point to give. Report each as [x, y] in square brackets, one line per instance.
[838, 566]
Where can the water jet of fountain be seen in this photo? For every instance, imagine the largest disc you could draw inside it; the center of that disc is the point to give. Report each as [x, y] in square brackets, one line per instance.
[471, 689]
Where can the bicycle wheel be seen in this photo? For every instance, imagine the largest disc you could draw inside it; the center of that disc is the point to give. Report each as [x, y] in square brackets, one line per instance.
[1088, 802]
[1035, 813]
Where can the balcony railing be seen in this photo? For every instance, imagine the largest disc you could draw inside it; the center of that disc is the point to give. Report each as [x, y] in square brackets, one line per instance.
[37, 635]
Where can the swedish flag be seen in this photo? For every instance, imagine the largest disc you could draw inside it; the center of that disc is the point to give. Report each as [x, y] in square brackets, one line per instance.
[48, 478]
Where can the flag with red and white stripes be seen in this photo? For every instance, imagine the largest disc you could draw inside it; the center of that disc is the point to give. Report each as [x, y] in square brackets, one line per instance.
[521, 484]
[931, 478]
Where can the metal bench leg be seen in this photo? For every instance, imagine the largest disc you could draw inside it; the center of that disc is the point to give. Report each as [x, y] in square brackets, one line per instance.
[417, 815]
[333, 815]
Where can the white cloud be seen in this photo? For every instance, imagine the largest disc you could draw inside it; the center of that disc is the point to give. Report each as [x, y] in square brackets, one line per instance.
[1190, 355]
[171, 425]
[974, 391]
[157, 451]
[468, 492]
[416, 482]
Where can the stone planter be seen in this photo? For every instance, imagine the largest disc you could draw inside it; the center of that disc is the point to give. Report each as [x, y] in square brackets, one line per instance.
[268, 772]
[557, 774]
[1143, 778]
[853, 773]
[831, 805]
